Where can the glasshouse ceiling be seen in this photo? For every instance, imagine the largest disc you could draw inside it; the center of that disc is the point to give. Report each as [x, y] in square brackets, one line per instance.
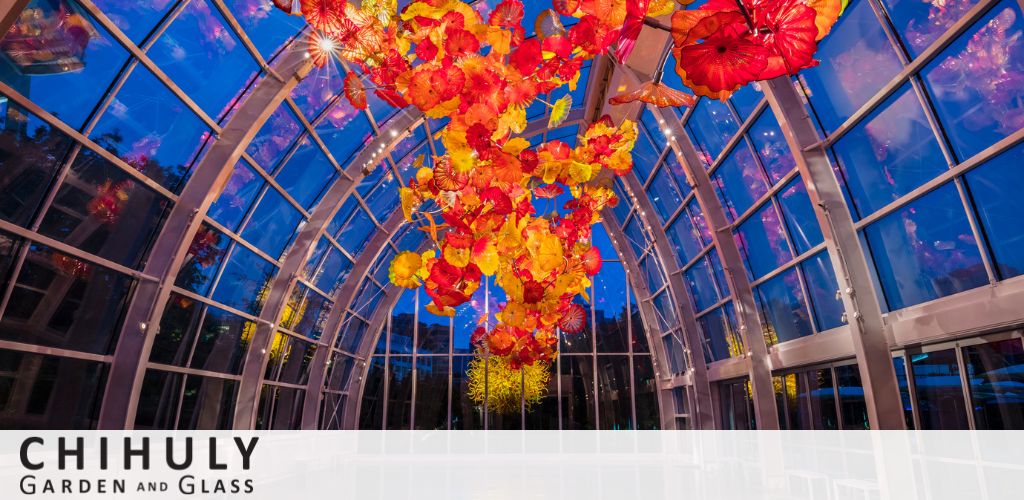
[255, 186]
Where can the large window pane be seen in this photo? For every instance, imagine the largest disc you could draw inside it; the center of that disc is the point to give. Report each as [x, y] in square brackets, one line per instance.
[267, 26]
[804, 230]
[739, 181]
[995, 188]
[272, 224]
[720, 337]
[49, 392]
[60, 301]
[822, 287]
[762, 242]
[940, 395]
[31, 153]
[711, 126]
[102, 210]
[996, 375]
[614, 394]
[199, 48]
[237, 197]
[431, 393]
[771, 146]
[244, 280]
[783, 308]
[611, 309]
[851, 398]
[664, 193]
[856, 61]
[926, 250]
[307, 174]
[577, 373]
[67, 71]
[976, 83]
[889, 154]
[151, 130]
[921, 23]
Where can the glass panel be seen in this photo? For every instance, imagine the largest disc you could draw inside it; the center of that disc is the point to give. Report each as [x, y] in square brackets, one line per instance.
[701, 285]
[318, 89]
[60, 301]
[822, 287]
[745, 99]
[636, 324]
[674, 353]
[664, 194]
[306, 312]
[976, 86]
[994, 187]
[645, 156]
[665, 310]
[267, 26]
[352, 332]
[332, 273]
[856, 60]
[783, 308]
[926, 250]
[198, 48]
[737, 405]
[274, 138]
[771, 146]
[433, 332]
[645, 391]
[721, 338]
[921, 23]
[685, 238]
[851, 398]
[280, 408]
[357, 232]
[711, 125]
[135, 19]
[544, 415]
[940, 395]
[466, 415]
[204, 257]
[762, 241]
[996, 374]
[151, 130]
[243, 283]
[49, 392]
[818, 394]
[614, 394]
[431, 393]
[371, 410]
[344, 130]
[400, 393]
[101, 210]
[801, 220]
[69, 70]
[339, 372]
[577, 373]
[31, 153]
[739, 182]
[237, 197]
[889, 154]
[307, 175]
[403, 323]
[611, 309]
[672, 164]
[187, 402]
[272, 224]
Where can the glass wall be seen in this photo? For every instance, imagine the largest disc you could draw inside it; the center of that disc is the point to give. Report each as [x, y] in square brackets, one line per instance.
[96, 145]
[603, 377]
[909, 102]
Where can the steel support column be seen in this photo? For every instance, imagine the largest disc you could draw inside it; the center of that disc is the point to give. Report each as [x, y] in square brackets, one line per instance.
[756, 358]
[701, 410]
[871, 337]
[171, 247]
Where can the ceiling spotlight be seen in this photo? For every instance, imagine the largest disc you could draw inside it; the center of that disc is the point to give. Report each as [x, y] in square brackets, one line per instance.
[326, 44]
[394, 133]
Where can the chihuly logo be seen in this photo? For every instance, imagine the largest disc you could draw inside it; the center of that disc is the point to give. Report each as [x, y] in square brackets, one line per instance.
[136, 465]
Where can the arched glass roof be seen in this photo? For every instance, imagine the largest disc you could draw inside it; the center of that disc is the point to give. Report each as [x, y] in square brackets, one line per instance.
[177, 168]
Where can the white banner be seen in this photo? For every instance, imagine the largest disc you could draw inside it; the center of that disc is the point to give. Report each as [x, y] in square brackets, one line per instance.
[512, 465]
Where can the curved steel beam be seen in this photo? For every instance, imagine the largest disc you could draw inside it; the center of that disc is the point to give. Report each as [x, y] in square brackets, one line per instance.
[297, 255]
[335, 320]
[171, 246]
[871, 338]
